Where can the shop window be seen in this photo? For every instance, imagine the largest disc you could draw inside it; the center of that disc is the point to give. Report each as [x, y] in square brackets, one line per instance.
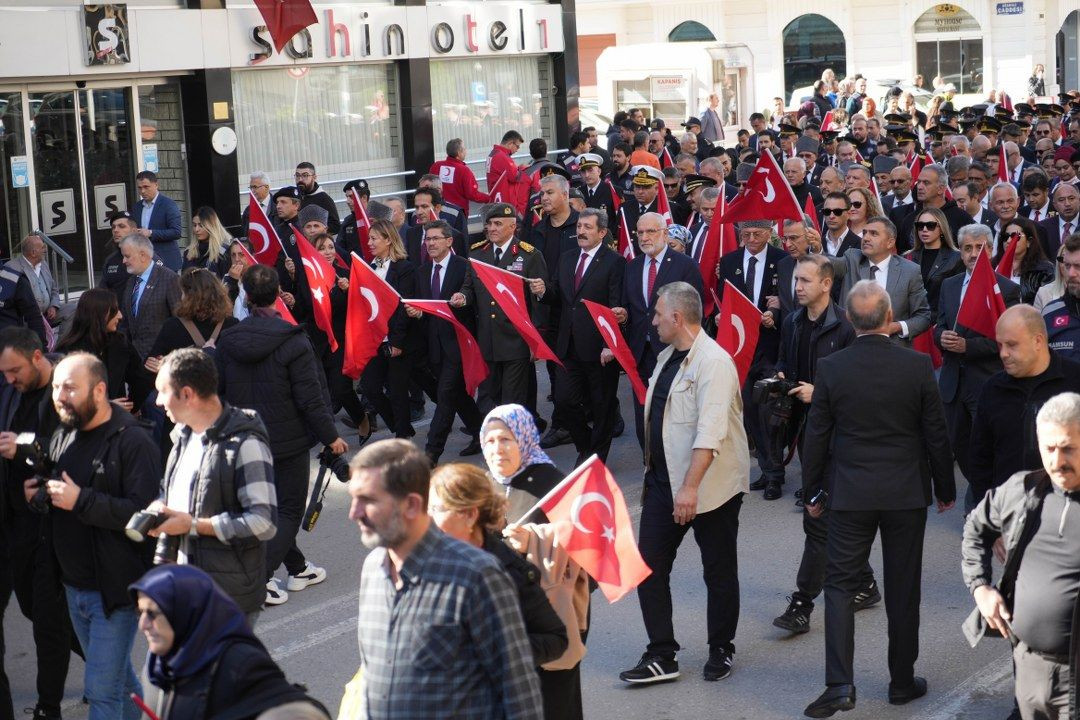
[1067, 51]
[690, 31]
[665, 97]
[812, 44]
[948, 45]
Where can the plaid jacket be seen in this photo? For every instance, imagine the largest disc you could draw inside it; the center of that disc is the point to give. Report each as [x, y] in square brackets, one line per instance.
[451, 643]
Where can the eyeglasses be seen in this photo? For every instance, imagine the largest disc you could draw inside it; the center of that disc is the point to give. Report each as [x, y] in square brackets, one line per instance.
[436, 237]
[303, 175]
[929, 225]
[856, 204]
[671, 186]
[256, 187]
[834, 211]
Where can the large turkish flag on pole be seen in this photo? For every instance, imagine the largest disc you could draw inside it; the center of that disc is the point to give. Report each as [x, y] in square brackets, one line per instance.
[982, 304]
[363, 224]
[279, 304]
[508, 290]
[263, 238]
[472, 360]
[371, 303]
[738, 328]
[321, 280]
[594, 527]
[608, 327]
[285, 18]
[766, 195]
[719, 241]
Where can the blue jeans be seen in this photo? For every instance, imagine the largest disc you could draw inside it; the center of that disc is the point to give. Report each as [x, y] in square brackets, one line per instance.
[107, 642]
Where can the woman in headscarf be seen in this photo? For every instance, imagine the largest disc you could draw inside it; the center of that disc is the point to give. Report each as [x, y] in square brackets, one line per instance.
[511, 445]
[203, 655]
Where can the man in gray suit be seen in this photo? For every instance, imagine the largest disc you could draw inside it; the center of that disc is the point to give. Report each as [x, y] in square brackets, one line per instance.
[878, 261]
[30, 262]
[149, 298]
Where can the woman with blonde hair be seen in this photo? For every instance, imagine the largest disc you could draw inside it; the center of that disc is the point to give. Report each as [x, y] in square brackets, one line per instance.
[934, 252]
[210, 248]
[864, 205]
[1052, 291]
[552, 589]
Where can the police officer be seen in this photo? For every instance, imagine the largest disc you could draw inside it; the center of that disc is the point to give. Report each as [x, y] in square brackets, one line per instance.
[505, 352]
[293, 280]
[17, 304]
[646, 183]
[348, 240]
[113, 273]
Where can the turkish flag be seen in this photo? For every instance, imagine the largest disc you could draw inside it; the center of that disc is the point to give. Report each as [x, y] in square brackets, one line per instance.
[371, 303]
[321, 280]
[915, 166]
[665, 159]
[982, 304]
[508, 290]
[663, 206]
[766, 196]
[279, 304]
[363, 224]
[626, 245]
[1005, 264]
[285, 18]
[738, 328]
[827, 121]
[719, 241]
[811, 211]
[594, 527]
[608, 327]
[924, 343]
[472, 361]
[1003, 165]
[616, 197]
[261, 234]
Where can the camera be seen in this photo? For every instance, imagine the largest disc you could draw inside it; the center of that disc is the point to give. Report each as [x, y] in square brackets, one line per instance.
[336, 464]
[28, 448]
[328, 461]
[774, 390]
[780, 413]
[142, 523]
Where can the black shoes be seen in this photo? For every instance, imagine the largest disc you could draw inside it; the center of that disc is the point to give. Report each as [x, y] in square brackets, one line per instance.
[555, 437]
[40, 713]
[902, 696]
[759, 484]
[772, 490]
[796, 618]
[473, 448]
[719, 665]
[867, 598]
[651, 669]
[840, 698]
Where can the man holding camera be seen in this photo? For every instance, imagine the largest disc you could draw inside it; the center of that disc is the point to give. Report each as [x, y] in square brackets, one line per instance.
[218, 501]
[815, 330]
[28, 565]
[105, 469]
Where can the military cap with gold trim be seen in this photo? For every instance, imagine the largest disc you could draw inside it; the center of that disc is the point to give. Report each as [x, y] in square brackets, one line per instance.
[588, 160]
[646, 175]
[693, 182]
[554, 169]
[788, 130]
[989, 125]
[500, 210]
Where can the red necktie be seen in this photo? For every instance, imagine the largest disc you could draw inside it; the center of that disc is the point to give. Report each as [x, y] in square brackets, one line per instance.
[652, 279]
[580, 271]
[1067, 229]
[1036, 218]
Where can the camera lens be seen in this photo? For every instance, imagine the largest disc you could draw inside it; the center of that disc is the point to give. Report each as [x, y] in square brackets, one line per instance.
[141, 523]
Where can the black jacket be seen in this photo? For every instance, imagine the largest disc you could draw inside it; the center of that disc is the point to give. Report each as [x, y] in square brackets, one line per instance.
[601, 283]
[1003, 439]
[905, 233]
[268, 365]
[879, 460]
[547, 633]
[731, 269]
[442, 344]
[674, 267]
[219, 265]
[527, 488]
[414, 236]
[947, 263]
[834, 334]
[320, 197]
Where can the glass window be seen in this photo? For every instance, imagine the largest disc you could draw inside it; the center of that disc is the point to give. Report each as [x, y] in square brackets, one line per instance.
[479, 100]
[956, 62]
[14, 174]
[690, 31]
[109, 163]
[812, 44]
[341, 118]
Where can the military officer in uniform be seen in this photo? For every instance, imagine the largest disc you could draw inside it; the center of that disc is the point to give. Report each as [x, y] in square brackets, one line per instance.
[596, 192]
[508, 357]
[646, 184]
[348, 240]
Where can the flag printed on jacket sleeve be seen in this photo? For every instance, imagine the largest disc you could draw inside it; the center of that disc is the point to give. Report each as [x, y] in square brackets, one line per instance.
[766, 196]
[982, 304]
[371, 304]
[285, 18]
[262, 237]
[508, 290]
[321, 279]
[279, 304]
[363, 225]
[472, 360]
[593, 525]
[608, 327]
[738, 328]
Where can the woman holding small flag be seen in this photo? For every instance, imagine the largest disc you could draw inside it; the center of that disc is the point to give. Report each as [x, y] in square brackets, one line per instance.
[511, 445]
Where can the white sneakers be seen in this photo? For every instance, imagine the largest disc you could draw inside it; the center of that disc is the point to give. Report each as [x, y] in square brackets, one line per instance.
[274, 594]
[311, 575]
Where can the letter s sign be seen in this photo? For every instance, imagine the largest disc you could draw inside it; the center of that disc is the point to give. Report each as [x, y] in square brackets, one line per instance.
[110, 41]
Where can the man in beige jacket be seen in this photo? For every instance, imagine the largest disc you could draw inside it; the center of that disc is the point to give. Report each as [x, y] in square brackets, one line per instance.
[696, 470]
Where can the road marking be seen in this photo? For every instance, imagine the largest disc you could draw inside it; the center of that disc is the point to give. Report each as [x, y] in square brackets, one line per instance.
[351, 600]
[316, 638]
[982, 681]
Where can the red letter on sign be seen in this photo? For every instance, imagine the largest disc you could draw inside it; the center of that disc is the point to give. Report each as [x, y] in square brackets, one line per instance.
[335, 29]
[470, 34]
[543, 34]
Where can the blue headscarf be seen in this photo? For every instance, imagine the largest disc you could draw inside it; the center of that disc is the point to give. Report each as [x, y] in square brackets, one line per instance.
[203, 618]
[521, 425]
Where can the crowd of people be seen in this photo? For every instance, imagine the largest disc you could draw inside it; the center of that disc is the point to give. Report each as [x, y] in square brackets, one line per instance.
[183, 397]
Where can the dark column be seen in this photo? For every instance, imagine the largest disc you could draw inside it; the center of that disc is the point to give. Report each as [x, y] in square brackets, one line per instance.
[207, 104]
[565, 74]
[417, 131]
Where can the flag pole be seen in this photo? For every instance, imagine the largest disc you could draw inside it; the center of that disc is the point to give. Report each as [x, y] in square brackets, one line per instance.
[572, 476]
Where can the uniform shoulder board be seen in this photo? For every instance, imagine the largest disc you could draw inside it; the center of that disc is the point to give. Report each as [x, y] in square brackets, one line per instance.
[451, 210]
[479, 246]
[526, 246]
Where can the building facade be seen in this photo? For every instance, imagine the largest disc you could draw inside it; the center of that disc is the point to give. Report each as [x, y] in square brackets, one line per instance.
[750, 53]
[195, 91]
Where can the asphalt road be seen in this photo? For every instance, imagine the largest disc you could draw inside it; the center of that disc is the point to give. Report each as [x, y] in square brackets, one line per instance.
[313, 635]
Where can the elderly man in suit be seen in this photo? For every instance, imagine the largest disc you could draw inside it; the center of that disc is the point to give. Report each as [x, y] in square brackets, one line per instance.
[901, 278]
[31, 263]
[150, 297]
[1057, 228]
[159, 220]
[884, 470]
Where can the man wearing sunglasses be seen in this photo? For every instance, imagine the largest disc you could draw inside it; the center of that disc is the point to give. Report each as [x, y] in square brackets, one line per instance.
[838, 238]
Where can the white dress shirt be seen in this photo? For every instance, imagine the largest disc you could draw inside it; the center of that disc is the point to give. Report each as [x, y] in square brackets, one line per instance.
[882, 279]
[833, 246]
[589, 255]
[147, 211]
[759, 271]
[1043, 212]
[645, 272]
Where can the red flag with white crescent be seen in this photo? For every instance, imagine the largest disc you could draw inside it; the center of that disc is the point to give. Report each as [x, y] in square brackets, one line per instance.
[767, 195]
[616, 197]
[262, 237]
[738, 328]
[663, 206]
[279, 304]
[1005, 264]
[827, 121]
[1003, 164]
[982, 304]
[915, 166]
[285, 18]
[924, 343]
[508, 290]
[626, 244]
[472, 360]
[608, 327]
[321, 280]
[810, 210]
[363, 224]
[665, 159]
[719, 240]
[371, 304]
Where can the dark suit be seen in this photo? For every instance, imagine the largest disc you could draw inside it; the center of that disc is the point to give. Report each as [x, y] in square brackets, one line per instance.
[1050, 233]
[849, 241]
[889, 202]
[157, 303]
[881, 466]
[166, 227]
[785, 284]
[414, 240]
[632, 211]
[947, 263]
[444, 356]
[601, 199]
[583, 383]
[962, 376]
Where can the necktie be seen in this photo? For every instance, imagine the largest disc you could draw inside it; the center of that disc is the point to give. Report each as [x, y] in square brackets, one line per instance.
[580, 270]
[1036, 218]
[498, 255]
[751, 276]
[1065, 231]
[136, 296]
[873, 272]
[436, 286]
[592, 191]
[424, 257]
[643, 210]
[652, 279]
